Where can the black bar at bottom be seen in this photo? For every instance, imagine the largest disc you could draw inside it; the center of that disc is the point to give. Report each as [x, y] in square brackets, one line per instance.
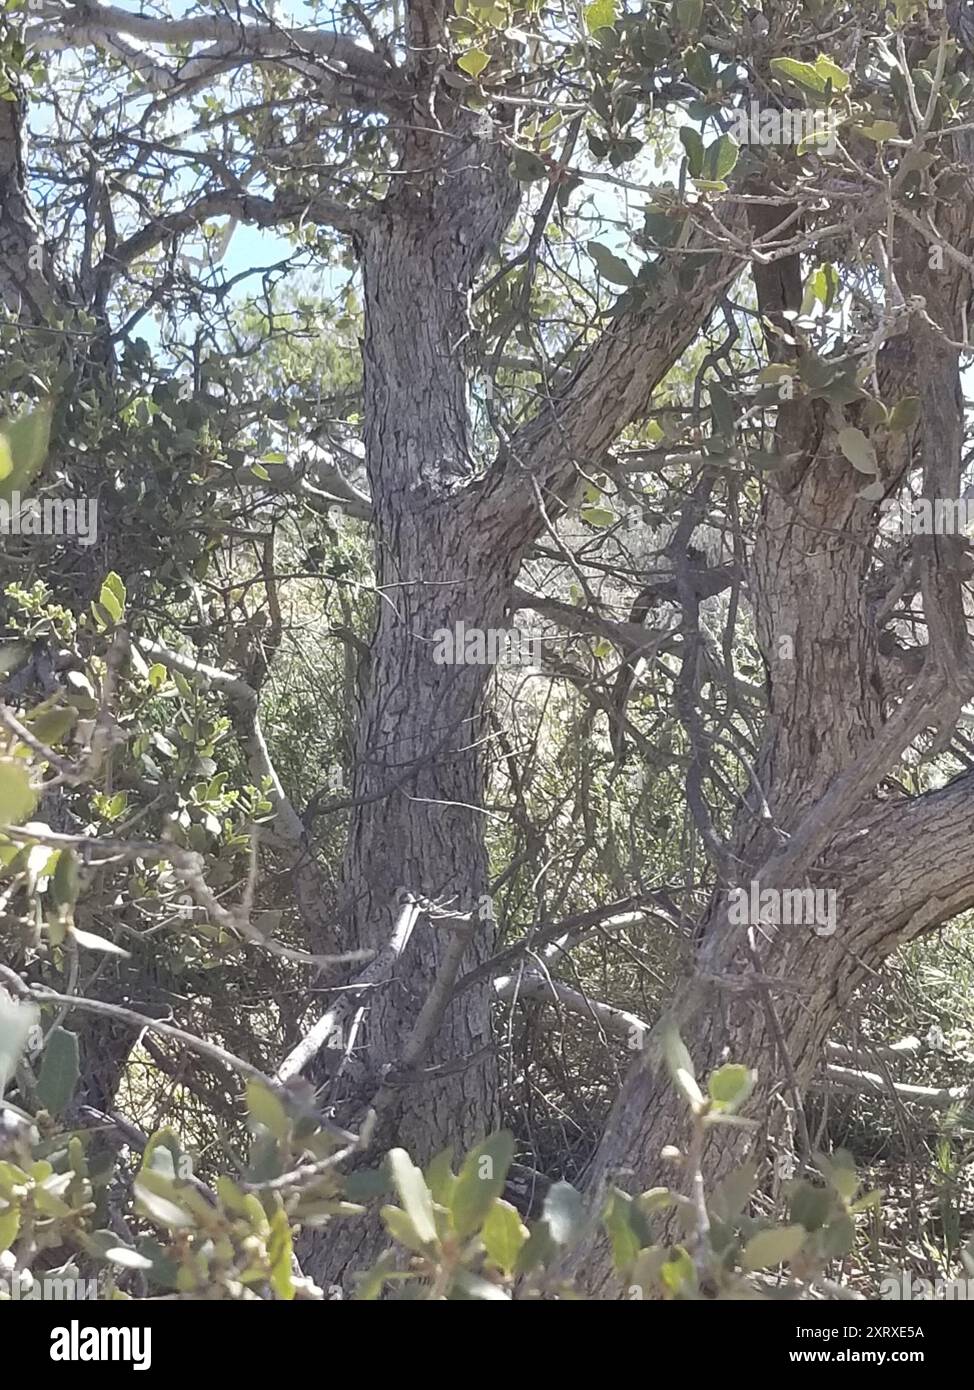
[202, 1340]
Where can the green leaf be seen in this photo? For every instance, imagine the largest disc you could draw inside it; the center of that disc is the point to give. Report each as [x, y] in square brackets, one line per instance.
[838, 1237]
[688, 14]
[623, 1239]
[9, 1226]
[840, 1171]
[775, 372]
[720, 157]
[266, 1108]
[688, 1085]
[730, 1085]
[17, 1018]
[905, 414]
[480, 1182]
[809, 1206]
[677, 1273]
[527, 166]
[64, 880]
[12, 657]
[600, 15]
[842, 391]
[680, 1064]
[162, 1152]
[365, 1184]
[127, 1258]
[871, 1199]
[821, 287]
[91, 942]
[660, 230]
[372, 1282]
[825, 67]
[474, 61]
[858, 450]
[879, 131]
[49, 1192]
[564, 1211]
[645, 1272]
[656, 1199]
[112, 597]
[59, 1070]
[17, 800]
[802, 74]
[611, 267]
[440, 1178]
[413, 1193]
[700, 67]
[692, 142]
[24, 444]
[598, 516]
[157, 1197]
[503, 1235]
[537, 1250]
[732, 1193]
[768, 1249]
[815, 139]
[402, 1230]
[722, 412]
[279, 1251]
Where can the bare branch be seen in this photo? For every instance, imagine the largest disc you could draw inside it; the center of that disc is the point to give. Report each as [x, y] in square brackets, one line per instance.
[101, 26]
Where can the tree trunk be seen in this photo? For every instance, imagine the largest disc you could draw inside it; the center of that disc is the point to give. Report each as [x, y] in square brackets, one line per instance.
[23, 289]
[832, 733]
[418, 777]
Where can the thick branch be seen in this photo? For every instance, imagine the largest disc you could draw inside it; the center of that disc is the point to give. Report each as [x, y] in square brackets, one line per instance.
[98, 25]
[617, 376]
[245, 207]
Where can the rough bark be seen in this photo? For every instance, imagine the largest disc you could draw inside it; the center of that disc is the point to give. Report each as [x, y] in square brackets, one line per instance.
[23, 288]
[902, 871]
[829, 737]
[418, 778]
[449, 547]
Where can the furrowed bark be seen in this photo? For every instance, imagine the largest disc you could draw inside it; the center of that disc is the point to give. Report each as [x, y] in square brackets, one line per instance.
[826, 745]
[419, 824]
[23, 287]
[418, 775]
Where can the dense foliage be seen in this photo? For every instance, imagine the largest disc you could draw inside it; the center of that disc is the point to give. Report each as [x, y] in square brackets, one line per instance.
[616, 329]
